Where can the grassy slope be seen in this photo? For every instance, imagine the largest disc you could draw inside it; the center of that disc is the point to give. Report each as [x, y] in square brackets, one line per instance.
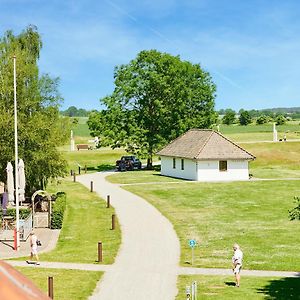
[67, 284]
[275, 160]
[87, 221]
[254, 214]
[95, 160]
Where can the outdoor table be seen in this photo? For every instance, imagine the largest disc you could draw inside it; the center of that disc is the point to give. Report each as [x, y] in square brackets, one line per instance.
[6, 221]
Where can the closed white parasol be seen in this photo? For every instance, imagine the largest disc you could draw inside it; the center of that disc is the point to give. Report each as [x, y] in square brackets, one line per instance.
[22, 181]
[10, 183]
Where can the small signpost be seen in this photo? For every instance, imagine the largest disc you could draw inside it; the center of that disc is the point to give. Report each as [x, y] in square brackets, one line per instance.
[194, 290]
[188, 292]
[192, 244]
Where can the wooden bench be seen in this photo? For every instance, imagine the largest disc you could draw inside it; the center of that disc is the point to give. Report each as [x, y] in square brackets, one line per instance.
[84, 147]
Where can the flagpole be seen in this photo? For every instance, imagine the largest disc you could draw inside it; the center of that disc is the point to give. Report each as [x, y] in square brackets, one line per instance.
[16, 158]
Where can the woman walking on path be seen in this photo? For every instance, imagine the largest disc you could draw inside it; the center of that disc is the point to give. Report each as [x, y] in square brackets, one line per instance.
[237, 263]
[33, 247]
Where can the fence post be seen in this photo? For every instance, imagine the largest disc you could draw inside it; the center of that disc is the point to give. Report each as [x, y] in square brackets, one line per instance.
[113, 222]
[79, 169]
[74, 177]
[85, 169]
[50, 287]
[92, 186]
[108, 201]
[71, 172]
[99, 251]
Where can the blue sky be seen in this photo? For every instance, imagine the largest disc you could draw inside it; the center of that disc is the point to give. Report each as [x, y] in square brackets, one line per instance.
[250, 47]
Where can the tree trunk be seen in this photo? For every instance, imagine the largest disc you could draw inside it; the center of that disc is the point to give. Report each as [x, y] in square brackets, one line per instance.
[149, 163]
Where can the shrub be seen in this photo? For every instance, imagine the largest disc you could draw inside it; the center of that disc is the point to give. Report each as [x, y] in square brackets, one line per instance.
[58, 209]
[295, 212]
[23, 212]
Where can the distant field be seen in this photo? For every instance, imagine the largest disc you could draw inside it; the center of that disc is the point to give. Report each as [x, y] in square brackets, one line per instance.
[252, 133]
[95, 160]
[254, 214]
[275, 160]
[81, 129]
[252, 288]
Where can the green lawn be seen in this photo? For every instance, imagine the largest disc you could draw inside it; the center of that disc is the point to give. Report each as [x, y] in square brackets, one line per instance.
[254, 214]
[67, 284]
[87, 221]
[252, 288]
[140, 176]
[95, 160]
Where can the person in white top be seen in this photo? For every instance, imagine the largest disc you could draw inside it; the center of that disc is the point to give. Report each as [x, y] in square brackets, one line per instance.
[34, 247]
[237, 261]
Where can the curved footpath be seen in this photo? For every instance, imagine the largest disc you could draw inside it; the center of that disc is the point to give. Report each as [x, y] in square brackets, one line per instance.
[147, 264]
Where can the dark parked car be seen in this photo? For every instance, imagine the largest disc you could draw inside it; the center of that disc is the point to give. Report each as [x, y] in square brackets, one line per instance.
[128, 163]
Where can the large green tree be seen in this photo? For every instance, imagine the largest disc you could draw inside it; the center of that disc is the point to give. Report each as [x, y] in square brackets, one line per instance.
[229, 117]
[40, 128]
[156, 98]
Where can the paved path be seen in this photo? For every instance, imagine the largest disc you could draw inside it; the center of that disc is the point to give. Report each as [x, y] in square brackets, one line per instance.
[147, 264]
[48, 238]
[179, 271]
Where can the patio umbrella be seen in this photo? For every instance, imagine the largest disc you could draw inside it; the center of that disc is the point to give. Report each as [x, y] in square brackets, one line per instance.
[21, 181]
[10, 183]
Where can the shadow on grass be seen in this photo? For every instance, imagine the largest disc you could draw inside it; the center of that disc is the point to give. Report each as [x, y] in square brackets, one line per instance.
[103, 167]
[230, 283]
[284, 288]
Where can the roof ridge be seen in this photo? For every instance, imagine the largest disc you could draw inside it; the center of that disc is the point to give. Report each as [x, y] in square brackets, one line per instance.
[212, 131]
[234, 143]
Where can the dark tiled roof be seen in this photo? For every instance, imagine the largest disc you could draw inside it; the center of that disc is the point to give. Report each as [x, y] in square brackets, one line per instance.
[205, 144]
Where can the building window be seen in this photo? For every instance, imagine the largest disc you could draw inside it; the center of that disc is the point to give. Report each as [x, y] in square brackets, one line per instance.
[182, 164]
[222, 165]
[174, 163]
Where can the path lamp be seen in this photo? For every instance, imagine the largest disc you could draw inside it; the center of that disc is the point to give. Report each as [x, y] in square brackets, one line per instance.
[16, 159]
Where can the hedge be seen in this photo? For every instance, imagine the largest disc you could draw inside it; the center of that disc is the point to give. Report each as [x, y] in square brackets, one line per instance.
[23, 212]
[58, 209]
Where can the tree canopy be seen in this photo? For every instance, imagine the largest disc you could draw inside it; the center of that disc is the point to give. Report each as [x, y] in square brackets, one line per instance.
[229, 117]
[245, 118]
[40, 128]
[156, 98]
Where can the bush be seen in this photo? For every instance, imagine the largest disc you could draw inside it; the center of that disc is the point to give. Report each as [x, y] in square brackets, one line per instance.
[23, 212]
[295, 212]
[58, 210]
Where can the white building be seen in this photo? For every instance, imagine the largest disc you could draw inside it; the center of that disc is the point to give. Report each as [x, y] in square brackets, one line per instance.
[205, 155]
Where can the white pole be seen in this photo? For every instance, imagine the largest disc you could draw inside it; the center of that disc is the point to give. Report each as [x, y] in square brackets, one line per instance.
[16, 157]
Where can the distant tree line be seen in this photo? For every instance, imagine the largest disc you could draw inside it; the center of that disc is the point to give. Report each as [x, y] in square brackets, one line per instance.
[245, 117]
[73, 111]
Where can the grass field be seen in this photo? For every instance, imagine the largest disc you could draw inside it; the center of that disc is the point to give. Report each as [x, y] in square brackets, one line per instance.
[87, 221]
[67, 284]
[95, 160]
[254, 214]
[256, 133]
[275, 160]
[252, 288]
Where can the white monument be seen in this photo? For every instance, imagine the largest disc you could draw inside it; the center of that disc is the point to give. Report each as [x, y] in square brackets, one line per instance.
[72, 142]
[275, 137]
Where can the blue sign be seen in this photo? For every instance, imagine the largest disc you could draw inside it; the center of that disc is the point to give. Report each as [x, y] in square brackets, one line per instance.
[192, 243]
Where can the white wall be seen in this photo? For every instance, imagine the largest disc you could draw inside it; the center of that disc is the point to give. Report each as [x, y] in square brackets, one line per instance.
[189, 172]
[236, 170]
[205, 170]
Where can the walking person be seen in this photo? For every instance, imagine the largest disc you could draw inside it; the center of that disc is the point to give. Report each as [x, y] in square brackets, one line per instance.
[237, 261]
[34, 247]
